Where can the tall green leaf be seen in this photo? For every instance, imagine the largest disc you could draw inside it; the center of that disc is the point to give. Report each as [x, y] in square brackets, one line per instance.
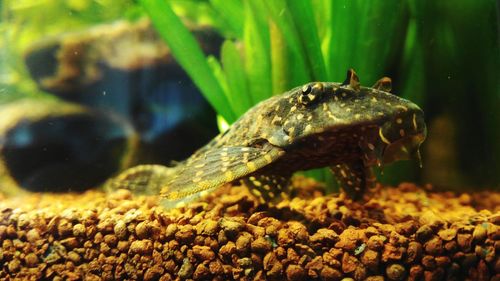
[232, 64]
[302, 13]
[280, 58]
[257, 53]
[232, 13]
[366, 35]
[188, 53]
[298, 72]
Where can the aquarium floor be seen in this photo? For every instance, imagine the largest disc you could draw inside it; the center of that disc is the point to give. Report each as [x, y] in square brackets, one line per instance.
[403, 233]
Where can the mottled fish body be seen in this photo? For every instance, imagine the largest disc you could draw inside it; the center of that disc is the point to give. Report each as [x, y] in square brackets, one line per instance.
[343, 126]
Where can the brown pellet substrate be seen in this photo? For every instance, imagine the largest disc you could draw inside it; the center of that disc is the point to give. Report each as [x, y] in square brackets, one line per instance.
[403, 233]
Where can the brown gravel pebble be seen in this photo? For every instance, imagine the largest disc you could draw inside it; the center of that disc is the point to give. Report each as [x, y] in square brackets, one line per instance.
[324, 237]
[447, 234]
[376, 242]
[414, 252]
[31, 260]
[371, 259]
[203, 253]
[349, 263]
[261, 245]
[423, 233]
[229, 235]
[295, 273]
[434, 246]
[396, 272]
[142, 247]
[33, 235]
[479, 233]
[186, 269]
[416, 272]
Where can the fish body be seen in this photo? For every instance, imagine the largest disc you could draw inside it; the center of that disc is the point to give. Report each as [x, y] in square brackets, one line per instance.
[343, 126]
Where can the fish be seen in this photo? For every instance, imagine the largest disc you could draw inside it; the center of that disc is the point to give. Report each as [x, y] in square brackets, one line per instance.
[344, 126]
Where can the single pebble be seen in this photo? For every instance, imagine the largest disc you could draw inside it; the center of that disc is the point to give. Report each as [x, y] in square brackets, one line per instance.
[14, 266]
[142, 230]
[447, 234]
[295, 273]
[33, 235]
[203, 253]
[423, 233]
[79, 230]
[141, 247]
[120, 230]
[395, 272]
[207, 227]
[31, 260]
[231, 227]
[186, 269]
[479, 234]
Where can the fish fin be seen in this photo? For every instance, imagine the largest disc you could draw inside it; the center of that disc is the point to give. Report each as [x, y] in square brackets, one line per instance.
[142, 179]
[352, 80]
[268, 187]
[354, 178]
[383, 84]
[215, 168]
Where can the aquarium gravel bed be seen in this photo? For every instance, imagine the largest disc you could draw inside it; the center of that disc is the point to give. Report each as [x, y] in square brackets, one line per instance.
[407, 232]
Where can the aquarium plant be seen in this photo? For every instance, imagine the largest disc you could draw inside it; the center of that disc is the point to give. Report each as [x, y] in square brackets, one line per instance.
[442, 55]
[272, 46]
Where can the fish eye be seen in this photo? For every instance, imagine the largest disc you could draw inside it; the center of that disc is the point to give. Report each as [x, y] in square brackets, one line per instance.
[310, 93]
[306, 89]
[317, 89]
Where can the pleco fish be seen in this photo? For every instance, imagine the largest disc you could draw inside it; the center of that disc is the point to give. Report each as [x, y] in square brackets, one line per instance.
[346, 127]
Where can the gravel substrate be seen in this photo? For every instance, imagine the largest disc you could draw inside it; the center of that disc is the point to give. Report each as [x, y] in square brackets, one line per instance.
[403, 233]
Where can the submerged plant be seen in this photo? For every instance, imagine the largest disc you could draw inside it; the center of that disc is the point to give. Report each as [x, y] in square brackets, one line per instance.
[273, 46]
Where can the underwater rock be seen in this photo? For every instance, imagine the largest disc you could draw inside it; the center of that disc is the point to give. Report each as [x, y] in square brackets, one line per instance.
[72, 64]
[126, 68]
[49, 145]
[119, 235]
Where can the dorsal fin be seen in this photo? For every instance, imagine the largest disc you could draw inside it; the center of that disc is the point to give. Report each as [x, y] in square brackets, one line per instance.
[352, 80]
[383, 84]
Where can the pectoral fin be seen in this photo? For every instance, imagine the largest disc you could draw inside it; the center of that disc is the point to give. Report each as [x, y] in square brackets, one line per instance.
[215, 168]
[142, 179]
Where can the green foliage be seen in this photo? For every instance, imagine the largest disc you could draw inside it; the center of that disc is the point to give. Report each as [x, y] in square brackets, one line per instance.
[189, 54]
[452, 64]
[443, 55]
[273, 46]
[285, 43]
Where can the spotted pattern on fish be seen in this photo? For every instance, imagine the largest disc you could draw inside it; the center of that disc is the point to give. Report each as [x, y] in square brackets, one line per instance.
[343, 126]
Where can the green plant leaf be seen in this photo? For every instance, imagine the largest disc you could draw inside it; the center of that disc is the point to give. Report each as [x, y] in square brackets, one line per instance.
[257, 58]
[280, 58]
[292, 49]
[302, 13]
[232, 13]
[366, 35]
[219, 74]
[189, 54]
[232, 64]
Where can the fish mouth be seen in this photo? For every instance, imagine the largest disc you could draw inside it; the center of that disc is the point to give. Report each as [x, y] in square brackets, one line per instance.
[403, 149]
[401, 137]
[384, 150]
